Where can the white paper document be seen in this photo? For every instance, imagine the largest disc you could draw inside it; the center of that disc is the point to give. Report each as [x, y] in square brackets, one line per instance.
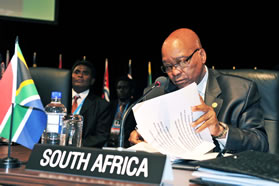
[165, 123]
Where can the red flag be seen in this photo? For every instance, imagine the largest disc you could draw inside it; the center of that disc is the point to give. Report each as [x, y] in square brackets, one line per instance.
[105, 94]
[60, 61]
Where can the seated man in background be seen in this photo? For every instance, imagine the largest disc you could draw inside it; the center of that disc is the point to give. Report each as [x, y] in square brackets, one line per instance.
[96, 112]
[124, 92]
[231, 104]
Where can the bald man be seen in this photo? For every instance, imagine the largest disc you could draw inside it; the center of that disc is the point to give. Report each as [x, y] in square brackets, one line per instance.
[231, 104]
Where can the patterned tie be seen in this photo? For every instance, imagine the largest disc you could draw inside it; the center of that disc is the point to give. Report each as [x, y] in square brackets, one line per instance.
[75, 104]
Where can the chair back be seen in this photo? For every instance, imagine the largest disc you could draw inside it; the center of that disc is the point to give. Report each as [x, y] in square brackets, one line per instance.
[52, 79]
[268, 85]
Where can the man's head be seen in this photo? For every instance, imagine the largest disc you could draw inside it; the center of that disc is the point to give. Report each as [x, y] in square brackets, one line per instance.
[124, 88]
[83, 75]
[183, 57]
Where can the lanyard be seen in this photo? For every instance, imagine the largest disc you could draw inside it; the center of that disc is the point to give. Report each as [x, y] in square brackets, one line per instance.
[123, 110]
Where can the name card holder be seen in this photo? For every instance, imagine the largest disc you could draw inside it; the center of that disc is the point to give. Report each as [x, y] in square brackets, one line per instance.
[108, 164]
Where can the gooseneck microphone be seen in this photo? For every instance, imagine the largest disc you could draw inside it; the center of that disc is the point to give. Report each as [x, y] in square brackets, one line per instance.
[159, 82]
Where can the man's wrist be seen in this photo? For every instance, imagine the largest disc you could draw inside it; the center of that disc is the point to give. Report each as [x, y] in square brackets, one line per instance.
[224, 131]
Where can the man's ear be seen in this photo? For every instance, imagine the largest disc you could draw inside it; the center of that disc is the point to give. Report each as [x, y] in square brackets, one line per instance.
[92, 81]
[203, 55]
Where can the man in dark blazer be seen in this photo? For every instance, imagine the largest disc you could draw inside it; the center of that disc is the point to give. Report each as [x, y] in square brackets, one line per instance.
[231, 104]
[125, 92]
[96, 112]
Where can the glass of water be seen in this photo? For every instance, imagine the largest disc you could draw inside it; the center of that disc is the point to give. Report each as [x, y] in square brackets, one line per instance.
[71, 132]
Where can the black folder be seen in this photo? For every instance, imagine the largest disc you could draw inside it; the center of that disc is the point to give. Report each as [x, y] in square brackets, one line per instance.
[253, 163]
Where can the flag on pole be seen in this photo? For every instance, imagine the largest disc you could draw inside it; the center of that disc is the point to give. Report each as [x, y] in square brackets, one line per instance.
[7, 57]
[34, 59]
[19, 93]
[105, 94]
[130, 69]
[60, 61]
[149, 79]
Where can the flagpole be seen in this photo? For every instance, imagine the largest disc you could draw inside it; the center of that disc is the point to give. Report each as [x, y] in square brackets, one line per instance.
[7, 58]
[34, 59]
[10, 162]
[11, 130]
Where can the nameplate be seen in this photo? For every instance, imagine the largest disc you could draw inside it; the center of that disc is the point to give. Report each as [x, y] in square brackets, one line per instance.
[108, 164]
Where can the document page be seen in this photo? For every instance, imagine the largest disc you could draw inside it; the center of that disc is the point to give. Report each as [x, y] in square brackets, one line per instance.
[165, 123]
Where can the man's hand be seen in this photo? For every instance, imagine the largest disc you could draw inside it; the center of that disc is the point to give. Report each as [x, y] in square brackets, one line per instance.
[135, 137]
[209, 118]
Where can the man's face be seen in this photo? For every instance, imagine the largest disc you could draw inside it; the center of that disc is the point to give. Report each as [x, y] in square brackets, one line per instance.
[182, 70]
[123, 90]
[81, 78]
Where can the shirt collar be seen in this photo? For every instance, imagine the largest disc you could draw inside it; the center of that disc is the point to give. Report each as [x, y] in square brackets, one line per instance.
[81, 94]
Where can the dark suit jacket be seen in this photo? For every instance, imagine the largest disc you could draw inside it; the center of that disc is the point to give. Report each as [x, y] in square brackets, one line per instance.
[239, 107]
[97, 117]
[130, 122]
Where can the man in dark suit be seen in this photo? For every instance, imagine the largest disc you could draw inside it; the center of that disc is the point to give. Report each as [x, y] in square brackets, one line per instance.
[231, 104]
[96, 112]
[125, 93]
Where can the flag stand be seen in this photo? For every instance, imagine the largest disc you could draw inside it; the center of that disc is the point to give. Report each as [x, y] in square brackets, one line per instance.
[10, 162]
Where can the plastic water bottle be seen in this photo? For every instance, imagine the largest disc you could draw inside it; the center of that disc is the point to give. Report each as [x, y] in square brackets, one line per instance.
[55, 111]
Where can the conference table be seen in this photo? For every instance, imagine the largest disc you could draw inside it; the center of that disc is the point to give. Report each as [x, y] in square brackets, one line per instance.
[22, 176]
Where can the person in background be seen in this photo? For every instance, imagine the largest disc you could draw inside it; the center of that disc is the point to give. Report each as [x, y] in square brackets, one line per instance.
[125, 92]
[231, 104]
[96, 112]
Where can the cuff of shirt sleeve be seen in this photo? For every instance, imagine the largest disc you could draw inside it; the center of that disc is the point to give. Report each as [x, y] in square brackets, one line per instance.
[223, 141]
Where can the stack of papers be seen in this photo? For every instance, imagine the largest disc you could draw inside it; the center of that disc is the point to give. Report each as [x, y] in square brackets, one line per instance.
[165, 123]
[244, 168]
[221, 177]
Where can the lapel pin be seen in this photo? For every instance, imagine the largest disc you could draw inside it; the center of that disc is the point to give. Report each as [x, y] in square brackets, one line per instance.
[214, 105]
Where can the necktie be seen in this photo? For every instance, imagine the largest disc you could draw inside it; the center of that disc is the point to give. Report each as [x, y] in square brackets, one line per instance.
[75, 104]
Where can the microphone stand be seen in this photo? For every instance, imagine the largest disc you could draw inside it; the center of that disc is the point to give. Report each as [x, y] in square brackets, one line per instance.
[121, 135]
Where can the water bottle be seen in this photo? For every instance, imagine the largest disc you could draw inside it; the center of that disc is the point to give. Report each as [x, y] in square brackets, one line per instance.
[55, 111]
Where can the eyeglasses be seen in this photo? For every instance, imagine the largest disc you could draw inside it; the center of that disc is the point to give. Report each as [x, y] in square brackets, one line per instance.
[181, 64]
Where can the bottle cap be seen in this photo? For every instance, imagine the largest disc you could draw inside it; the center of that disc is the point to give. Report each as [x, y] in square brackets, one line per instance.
[56, 95]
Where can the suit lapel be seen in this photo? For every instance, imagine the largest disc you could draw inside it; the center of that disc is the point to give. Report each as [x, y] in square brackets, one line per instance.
[86, 104]
[212, 92]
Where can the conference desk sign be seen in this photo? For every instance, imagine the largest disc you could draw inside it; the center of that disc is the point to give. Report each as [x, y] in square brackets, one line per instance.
[108, 164]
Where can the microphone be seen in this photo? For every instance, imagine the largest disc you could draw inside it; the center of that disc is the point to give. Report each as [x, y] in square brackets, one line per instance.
[159, 82]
